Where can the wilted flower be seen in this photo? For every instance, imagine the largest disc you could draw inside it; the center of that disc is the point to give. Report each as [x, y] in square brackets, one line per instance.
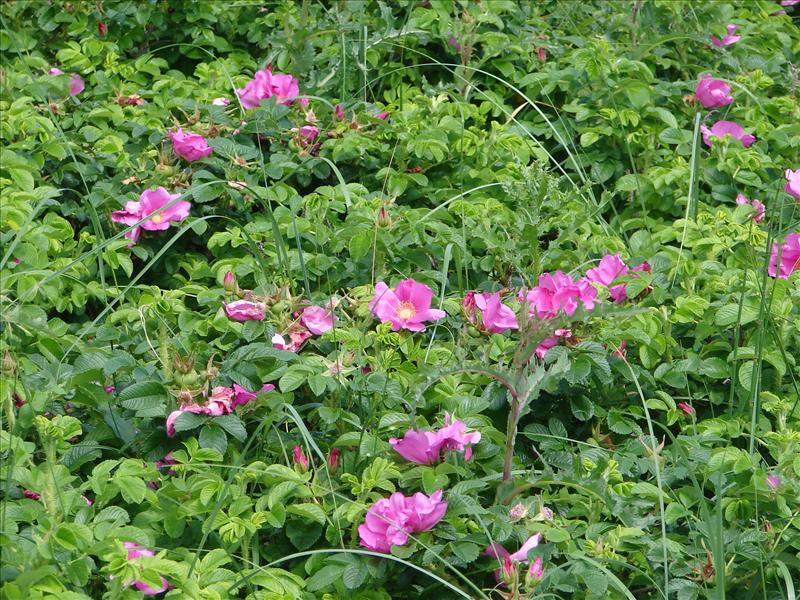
[729, 39]
[391, 520]
[76, 85]
[149, 202]
[789, 257]
[758, 207]
[308, 133]
[774, 482]
[266, 84]
[134, 552]
[793, 182]
[712, 93]
[244, 310]
[488, 313]
[722, 128]
[300, 459]
[498, 551]
[546, 514]
[408, 306]
[317, 320]
[517, 512]
[241, 396]
[189, 146]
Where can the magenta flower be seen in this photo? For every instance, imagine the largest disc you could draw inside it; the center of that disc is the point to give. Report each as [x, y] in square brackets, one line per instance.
[536, 570]
[134, 552]
[241, 396]
[338, 113]
[408, 306]
[687, 409]
[521, 555]
[722, 128]
[189, 146]
[221, 101]
[244, 310]
[551, 341]
[789, 256]
[729, 39]
[297, 335]
[266, 84]
[308, 133]
[220, 402]
[488, 313]
[774, 482]
[300, 459]
[31, 495]
[317, 320]
[382, 115]
[454, 436]
[55, 71]
[426, 447]
[76, 85]
[151, 201]
[712, 93]
[391, 520]
[610, 267]
[758, 207]
[558, 293]
[793, 182]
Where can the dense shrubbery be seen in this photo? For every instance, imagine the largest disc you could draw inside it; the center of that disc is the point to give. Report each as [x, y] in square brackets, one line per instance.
[393, 300]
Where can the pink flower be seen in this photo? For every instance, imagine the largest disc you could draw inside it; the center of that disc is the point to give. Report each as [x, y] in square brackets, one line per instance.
[243, 310]
[300, 459]
[793, 181]
[558, 292]
[722, 128]
[391, 520]
[189, 146]
[382, 115]
[151, 201]
[426, 447]
[317, 320]
[774, 482]
[610, 267]
[30, 494]
[297, 336]
[55, 71]
[758, 207]
[76, 85]
[135, 551]
[541, 53]
[521, 555]
[790, 257]
[241, 396]
[89, 501]
[338, 113]
[308, 133]
[687, 409]
[494, 317]
[221, 101]
[109, 389]
[408, 306]
[333, 459]
[620, 352]
[220, 402]
[729, 39]
[712, 93]
[229, 282]
[536, 570]
[266, 84]
[789, 2]
[171, 418]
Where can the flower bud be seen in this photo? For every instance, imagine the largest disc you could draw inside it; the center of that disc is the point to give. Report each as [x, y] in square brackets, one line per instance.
[384, 220]
[535, 572]
[9, 365]
[300, 460]
[517, 512]
[229, 282]
[333, 460]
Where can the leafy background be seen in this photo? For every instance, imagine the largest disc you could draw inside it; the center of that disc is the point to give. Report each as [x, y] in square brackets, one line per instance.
[493, 167]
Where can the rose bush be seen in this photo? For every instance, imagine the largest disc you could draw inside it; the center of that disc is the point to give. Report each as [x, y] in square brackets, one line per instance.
[345, 300]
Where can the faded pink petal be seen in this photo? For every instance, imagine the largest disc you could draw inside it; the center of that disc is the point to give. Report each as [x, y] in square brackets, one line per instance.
[76, 85]
[722, 128]
[789, 257]
[521, 555]
[241, 396]
[308, 133]
[317, 320]
[243, 310]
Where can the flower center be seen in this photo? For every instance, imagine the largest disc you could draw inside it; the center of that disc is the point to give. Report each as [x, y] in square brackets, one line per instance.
[405, 310]
[157, 219]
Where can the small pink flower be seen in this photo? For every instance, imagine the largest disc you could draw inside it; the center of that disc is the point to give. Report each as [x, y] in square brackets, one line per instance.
[687, 409]
[189, 146]
[712, 93]
[774, 482]
[317, 320]
[488, 313]
[333, 459]
[109, 389]
[521, 555]
[405, 307]
[793, 181]
[135, 551]
[338, 113]
[308, 133]
[55, 71]
[426, 447]
[221, 101]
[391, 520]
[76, 85]
[730, 38]
[758, 207]
[241, 396]
[722, 128]
[790, 257]
[558, 293]
[300, 459]
[266, 84]
[610, 268]
[244, 310]
[382, 115]
[149, 202]
[536, 570]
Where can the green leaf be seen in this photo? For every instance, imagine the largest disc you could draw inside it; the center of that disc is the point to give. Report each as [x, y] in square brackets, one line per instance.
[233, 425]
[187, 421]
[212, 436]
[308, 511]
[143, 396]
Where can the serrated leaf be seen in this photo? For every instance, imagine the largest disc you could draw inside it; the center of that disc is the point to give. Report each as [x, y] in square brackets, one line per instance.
[308, 511]
[212, 436]
[233, 425]
[142, 396]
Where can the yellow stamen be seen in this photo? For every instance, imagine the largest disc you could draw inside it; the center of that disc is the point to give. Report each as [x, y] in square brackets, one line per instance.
[157, 219]
[405, 310]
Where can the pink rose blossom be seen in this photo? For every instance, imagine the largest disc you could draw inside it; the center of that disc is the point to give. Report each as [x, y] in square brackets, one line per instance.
[317, 320]
[408, 306]
[221, 101]
[220, 402]
[55, 71]
[793, 182]
[266, 84]
[730, 38]
[758, 207]
[189, 146]
[149, 202]
[774, 482]
[76, 85]
[244, 310]
[558, 293]
[454, 436]
[426, 447]
[610, 268]
[390, 521]
[135, 551]
[241, 396]
[308, 133]
[712, 93]
[789, 255]
[536, 570]
[488, 313]
[722, 128]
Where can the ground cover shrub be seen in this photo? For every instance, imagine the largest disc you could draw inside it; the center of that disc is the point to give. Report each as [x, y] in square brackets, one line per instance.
[400, 300]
